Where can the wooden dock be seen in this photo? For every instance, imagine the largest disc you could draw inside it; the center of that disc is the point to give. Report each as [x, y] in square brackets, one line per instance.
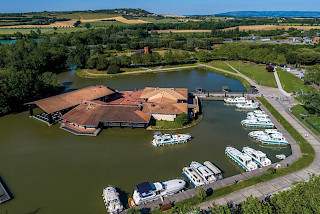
[4, 195]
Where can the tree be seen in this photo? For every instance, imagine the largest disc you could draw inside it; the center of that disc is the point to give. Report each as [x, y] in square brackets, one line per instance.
[133, 211]
[313, 74]
[204, 56]
[87, 25]
[270, 68]
[102, 63]
[168, 57]
[38, 31]
[312, 102]
[113, 69]
[182, 119]
[77, 23]
[201, 194]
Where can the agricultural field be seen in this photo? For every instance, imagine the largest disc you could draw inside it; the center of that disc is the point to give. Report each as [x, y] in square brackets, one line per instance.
[182, 31]
[6, 31]
[271, 27]
[255, 72]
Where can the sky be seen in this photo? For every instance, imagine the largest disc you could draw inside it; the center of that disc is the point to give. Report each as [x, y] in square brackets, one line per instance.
[176, 7]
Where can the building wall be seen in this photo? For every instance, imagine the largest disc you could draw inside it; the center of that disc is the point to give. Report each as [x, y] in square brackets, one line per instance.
[168, 117]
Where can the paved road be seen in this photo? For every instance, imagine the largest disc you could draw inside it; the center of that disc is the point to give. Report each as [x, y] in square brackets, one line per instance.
[279, 84]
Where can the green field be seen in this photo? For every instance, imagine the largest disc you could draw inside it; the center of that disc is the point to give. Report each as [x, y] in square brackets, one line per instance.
[220, 64]
[255, 72]
[157, 20]
[104, 23]
[43, 30]
[292, 83]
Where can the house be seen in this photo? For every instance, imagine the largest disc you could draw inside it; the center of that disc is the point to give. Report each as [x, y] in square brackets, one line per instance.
[145, 50]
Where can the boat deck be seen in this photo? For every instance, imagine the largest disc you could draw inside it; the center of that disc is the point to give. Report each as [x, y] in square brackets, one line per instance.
[4, 195]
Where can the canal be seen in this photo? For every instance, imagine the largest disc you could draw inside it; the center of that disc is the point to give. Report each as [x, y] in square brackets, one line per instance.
[51, 171]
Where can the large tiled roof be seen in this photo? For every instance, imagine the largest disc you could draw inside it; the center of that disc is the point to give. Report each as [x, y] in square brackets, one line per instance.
[159, 108]
[69, 99]
[91, 113]
[164, 95]
[127, 98]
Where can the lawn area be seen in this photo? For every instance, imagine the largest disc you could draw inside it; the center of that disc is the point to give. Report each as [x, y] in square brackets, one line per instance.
[220, 64]
[306, 159]
[255, 72]
[170, 125]
[311, 121]
[175, 66]
[292, 83]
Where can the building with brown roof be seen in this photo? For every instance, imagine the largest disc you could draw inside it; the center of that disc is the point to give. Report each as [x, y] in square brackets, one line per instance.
[165, 95]
[91, 115]
[167, 111]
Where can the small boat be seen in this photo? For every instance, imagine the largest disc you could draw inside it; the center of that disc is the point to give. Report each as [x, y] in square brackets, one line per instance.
[255, 112]
[167, 139]
[111, 200]
[257, 156]
[257, 123]
[256, 134]
[193, 176]
[275, 138]
[146, 192]
[281, 156]
[247, 105]
[234, 100]
[240, 158]
[217, 172]
[205, 173]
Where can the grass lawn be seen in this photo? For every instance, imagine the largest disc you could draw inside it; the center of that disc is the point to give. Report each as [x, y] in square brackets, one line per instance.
[312, 122]
[167, 125]
[220, 64]
[255, 72]
[306, 159]
[175, 66]
[292, 83]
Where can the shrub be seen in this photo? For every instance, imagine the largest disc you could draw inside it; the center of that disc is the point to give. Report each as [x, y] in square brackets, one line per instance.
[113, 69]
[201, 194]
[272, 170]
[182, 119]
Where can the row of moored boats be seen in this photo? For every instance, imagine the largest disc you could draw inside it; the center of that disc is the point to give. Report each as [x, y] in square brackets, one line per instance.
[249, 159]
[242, 102]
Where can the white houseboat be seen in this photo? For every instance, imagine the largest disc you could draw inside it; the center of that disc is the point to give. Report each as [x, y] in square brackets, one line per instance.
[256, 134]
[234, 100]
[167, 139]
[276, 138]
[240, 158]
[194, 178]
[111, 200]
[257, 123]
[146, 192]
[257, 156]
[217, 172]
[248, 105]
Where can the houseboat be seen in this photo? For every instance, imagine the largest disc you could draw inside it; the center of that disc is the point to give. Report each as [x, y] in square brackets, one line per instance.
[205, 173]
[257, 123]
[111, 200]
[244, 160]
[167, 139]
[257, 156]
[256, 134]
[217, 172]
[248, 105]
[234, 100]
[194, 178]
[146, 192]
[276, 138]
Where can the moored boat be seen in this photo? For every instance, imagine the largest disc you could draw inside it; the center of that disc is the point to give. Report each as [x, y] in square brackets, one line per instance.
[244, 160]
[234, 100]
[205, 173]
[194, 178]
[248, 105]
[256, 134]
[257, 156]
[167, 139]
[111, 200]
[257, 123]
[217, 172]
[276, 138]
[146, 192]
[281, 156]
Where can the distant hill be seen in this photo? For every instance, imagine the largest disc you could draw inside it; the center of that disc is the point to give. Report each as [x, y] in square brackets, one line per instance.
[305, 14]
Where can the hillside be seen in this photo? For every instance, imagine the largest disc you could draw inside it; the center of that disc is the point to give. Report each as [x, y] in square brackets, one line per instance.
[271, 14]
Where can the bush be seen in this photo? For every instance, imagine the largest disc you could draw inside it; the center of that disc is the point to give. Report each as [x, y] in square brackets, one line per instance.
[113, 69]
[272, 170]
[201, 194]
[182, 119]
